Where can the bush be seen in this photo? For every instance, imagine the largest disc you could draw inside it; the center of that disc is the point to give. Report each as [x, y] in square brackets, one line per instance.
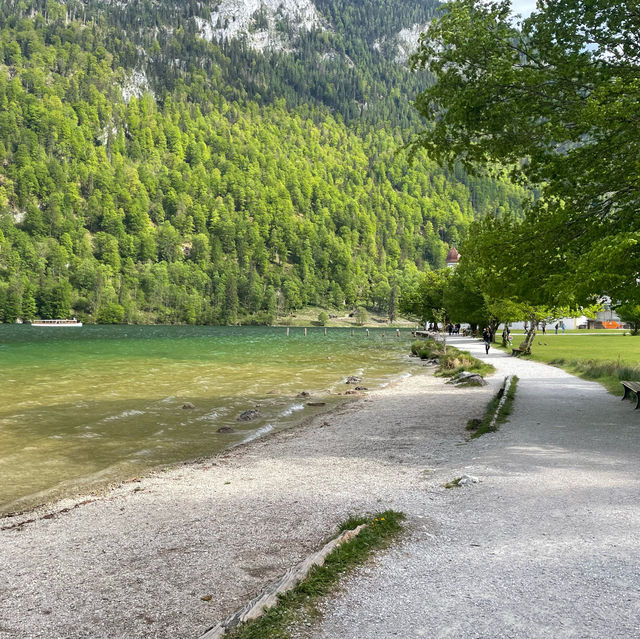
[261, 318]
[323, 318]
[361, 316]
[110, 314]
[451, 361]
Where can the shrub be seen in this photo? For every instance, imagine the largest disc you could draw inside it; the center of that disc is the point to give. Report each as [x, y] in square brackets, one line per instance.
[452, 361]
[361, 316]
[110, 314]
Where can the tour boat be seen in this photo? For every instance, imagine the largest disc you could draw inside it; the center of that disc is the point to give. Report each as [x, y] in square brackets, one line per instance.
[56, 322]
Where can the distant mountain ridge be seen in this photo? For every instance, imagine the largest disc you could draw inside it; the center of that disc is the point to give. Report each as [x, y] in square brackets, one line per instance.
[150, 174]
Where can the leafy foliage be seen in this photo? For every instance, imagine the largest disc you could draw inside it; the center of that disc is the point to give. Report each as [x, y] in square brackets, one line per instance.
[554, 99]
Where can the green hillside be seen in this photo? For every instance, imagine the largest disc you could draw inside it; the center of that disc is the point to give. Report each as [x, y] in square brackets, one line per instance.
[206, 199]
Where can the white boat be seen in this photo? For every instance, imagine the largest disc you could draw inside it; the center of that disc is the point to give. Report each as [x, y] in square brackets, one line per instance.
[56, 322]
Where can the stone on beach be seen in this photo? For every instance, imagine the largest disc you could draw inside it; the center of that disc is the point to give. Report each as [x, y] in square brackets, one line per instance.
[467, 479]
[467, 379]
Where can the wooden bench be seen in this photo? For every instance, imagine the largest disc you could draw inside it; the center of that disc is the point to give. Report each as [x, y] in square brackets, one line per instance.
[521, 350]
[632, 387]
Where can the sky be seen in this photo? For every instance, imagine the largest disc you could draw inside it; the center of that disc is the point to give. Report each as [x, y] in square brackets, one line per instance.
[523, 7]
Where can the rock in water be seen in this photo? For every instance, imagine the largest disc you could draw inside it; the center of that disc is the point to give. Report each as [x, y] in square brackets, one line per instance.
[303, 394]
[467, 479]
[225, 429]
[188, 405]
[249, 415]
[352, 379]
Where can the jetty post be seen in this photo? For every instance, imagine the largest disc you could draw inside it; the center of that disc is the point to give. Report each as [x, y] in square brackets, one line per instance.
[367, 332]
[305, 331]
[325, 332]
[287, 331]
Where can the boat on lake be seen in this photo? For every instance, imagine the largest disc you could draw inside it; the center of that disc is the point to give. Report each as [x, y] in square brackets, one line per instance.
[56, 322]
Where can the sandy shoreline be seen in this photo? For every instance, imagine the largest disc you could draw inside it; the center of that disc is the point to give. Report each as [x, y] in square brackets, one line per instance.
[137, 561]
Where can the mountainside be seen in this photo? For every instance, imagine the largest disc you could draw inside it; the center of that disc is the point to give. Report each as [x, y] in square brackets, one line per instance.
[216, 161]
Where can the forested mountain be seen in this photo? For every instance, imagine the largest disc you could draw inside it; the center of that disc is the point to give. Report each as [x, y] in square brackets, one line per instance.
[153, 169]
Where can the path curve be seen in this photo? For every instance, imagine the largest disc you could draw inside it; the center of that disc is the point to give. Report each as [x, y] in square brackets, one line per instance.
[545, 546]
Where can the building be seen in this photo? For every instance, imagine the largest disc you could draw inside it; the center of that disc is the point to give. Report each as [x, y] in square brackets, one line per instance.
[453, 257]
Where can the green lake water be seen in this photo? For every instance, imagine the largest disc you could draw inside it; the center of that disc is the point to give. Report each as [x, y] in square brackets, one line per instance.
[80, 407]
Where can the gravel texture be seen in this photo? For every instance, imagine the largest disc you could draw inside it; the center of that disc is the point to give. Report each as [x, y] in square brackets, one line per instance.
[137, 561]
[546, 545]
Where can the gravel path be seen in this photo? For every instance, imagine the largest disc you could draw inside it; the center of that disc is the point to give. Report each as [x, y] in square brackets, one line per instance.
[545, 546]
[172, 554]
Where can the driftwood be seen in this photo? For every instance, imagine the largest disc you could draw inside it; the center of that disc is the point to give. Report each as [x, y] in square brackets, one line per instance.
[269, 597]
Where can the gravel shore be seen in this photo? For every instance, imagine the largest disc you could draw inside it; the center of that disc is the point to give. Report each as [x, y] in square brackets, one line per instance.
[174, 553]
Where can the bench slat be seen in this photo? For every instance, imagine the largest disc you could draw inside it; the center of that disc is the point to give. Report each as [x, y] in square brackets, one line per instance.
[634, 387]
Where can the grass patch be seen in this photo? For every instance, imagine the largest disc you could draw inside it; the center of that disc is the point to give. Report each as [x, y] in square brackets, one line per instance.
[482, 426]
[300, 604]
[609, 374]
[607, 359]
[451, 360]
[454, 483]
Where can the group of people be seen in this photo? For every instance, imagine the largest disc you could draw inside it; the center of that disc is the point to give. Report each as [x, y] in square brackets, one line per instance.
[453, 329]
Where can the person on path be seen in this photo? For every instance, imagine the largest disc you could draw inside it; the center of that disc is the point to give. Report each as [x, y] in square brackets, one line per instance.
[486, 338]
[544, 328]
[557, 326]
[562, 326]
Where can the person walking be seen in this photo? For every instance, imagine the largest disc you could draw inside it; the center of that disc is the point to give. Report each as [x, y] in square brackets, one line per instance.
[486, 338]
[557, 325]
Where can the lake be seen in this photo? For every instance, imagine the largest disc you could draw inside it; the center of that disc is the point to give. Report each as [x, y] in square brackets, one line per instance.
[81, 407]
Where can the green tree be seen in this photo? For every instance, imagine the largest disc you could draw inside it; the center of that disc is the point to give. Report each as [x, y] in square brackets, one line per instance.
[392, 307]
[361, 316]
[54, 299]
[230, 309]
[323, 318]
[424, 298]
[111, 313]
[553, 98]
[630, 313]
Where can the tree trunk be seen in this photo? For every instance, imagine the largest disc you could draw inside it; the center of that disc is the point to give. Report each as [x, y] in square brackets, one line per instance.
[493, 327]
[531, 335]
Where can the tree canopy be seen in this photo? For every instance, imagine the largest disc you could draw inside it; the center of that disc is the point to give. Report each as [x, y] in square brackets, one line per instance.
[553, 101]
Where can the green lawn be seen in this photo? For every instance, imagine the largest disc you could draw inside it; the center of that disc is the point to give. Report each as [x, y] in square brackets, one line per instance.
[606, 358]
